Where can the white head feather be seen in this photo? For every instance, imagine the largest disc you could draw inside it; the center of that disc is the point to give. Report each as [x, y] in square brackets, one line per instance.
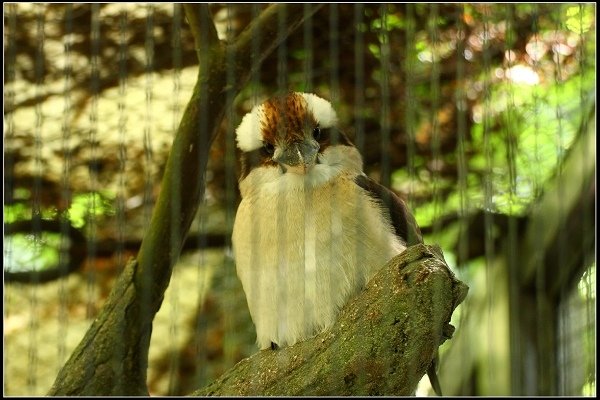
[249, 136]
[248, 133]
[321, 109]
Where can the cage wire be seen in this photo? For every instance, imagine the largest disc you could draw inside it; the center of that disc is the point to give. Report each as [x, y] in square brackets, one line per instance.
[477, 115]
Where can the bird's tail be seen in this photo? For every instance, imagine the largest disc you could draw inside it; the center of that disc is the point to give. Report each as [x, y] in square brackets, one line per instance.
[432, 374]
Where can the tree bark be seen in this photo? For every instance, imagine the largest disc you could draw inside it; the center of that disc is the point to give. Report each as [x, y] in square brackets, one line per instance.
[381, 344]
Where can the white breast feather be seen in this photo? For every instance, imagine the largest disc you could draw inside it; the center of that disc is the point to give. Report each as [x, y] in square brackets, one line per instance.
[319, 239]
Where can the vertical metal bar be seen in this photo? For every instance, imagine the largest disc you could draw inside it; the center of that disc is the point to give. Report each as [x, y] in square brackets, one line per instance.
[256, 256]
[409, 96]
[36, 207]
[488, 189]
[282, 242]
[334, 97]
[461, 128]
[120, 203]
[512, 251]
[334, 52]
[585, 118]
[545, 378]
[93, 165]
[148, 198]
[436, 157]
[122, 193]
[174, 332]
[148, 151]
[64, 259]
[200, 328]
[9, 158]
[461, 143]
[384, 87]
[230, 196]
[359, 77]
[308, 48]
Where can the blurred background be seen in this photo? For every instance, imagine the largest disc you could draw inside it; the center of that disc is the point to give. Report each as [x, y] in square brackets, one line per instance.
[482, 117]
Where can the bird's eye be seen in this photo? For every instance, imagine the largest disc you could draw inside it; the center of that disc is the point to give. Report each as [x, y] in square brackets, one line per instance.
[269, 148]
[317, 133]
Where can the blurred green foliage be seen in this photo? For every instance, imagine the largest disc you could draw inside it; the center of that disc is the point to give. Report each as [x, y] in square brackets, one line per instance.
[29, 252]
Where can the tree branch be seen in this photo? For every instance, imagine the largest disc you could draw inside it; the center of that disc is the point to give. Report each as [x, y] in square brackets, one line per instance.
[381, 344]
[203, 29]
[265, 34]
[107, 360]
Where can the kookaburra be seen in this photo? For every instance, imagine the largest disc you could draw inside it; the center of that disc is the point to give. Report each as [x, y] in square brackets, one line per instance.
[311, 228]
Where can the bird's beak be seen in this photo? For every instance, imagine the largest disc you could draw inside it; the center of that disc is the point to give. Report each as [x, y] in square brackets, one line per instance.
[297, 157]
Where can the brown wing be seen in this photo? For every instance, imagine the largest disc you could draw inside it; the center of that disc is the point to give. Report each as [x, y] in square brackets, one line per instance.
[402, 220]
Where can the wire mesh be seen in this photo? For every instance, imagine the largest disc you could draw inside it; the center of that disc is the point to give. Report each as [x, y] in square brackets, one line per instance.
[469, 112]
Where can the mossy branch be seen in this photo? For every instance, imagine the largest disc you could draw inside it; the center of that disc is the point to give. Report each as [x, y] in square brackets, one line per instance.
[382, 343]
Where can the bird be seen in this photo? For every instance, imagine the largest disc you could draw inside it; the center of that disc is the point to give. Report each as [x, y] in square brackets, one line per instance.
[311, 228]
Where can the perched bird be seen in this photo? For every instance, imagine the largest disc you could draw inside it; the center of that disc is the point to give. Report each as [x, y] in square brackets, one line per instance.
[311, 228]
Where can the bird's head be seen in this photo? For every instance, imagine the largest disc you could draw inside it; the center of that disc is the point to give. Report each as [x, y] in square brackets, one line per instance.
[294, 137]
